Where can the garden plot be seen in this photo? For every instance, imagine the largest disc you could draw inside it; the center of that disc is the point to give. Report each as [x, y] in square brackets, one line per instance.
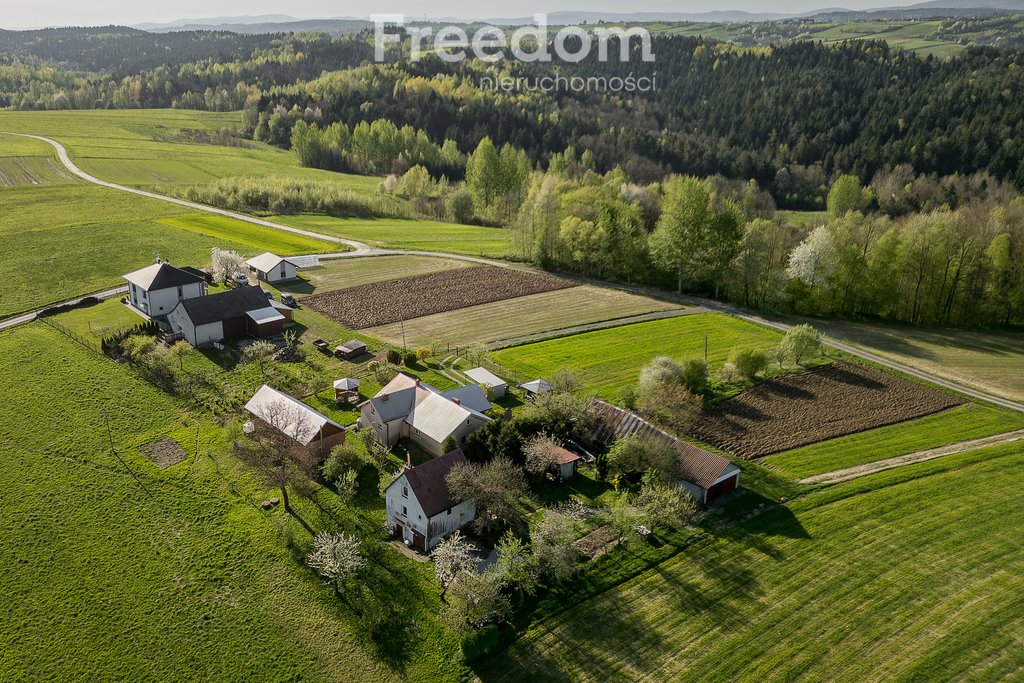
[816, 405]
[396, 300]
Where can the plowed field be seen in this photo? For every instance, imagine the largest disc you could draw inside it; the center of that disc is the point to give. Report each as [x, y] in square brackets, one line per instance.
[388, 302]
[813, 406]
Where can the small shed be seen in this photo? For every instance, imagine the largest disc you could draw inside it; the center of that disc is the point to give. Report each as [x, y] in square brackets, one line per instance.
[270, 267]
[567, 463]
[350, 349]
[286, 311]
[494, 384]
[536, 387]
[346, 390]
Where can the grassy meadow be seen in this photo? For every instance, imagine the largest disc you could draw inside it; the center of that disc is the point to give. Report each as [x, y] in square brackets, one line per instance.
[609, 360]
[972, 421]
[84, 238]
[911, 574]
[164, 147]
[415, 234]
[116, 569]
[520, 316]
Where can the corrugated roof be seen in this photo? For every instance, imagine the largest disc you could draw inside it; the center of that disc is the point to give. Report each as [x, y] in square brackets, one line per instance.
[471, 396]
[537, 386]
[265, 262]
[564, 456]
[265, 315]
[485, 377]
[346, 384]
[437, 416]
[233, 303]
[273, 406]
[427, 482]
[698, 466]
[161, 276]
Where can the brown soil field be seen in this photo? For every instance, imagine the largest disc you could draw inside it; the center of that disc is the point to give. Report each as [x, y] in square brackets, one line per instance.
[388, 302]
[816, 405]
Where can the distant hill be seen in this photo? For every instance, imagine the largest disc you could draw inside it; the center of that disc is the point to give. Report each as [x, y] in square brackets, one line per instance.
[216, 21]
[263, 25]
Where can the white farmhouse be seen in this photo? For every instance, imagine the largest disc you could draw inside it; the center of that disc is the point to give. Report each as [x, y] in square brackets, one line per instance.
[420, 508]
[272, 268]
[409, 408]
[155, 290]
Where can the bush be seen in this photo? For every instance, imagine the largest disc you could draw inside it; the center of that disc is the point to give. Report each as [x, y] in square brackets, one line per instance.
[422, 353]
[750, 362]
[694, 375]
[801, 343]
[394, 356]
[459, 206]
[342, 459]
[409, 358]
[660, 372]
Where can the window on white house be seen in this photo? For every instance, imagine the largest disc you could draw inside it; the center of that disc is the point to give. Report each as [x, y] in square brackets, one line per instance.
[405, 511]
[405, 491]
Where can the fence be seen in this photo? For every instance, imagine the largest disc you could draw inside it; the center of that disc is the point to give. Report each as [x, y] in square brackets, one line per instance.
[92, 345]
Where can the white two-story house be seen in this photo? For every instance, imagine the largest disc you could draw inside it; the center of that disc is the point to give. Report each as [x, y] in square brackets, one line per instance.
[155, 290]
[420, 508]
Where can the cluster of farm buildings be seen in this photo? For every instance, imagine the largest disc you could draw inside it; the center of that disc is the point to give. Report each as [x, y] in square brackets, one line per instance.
[421, 510]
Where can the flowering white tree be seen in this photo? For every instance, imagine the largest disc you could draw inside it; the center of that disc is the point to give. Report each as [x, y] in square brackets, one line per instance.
[814, 260]
[226, 264]
[336, 557]
[452, 557]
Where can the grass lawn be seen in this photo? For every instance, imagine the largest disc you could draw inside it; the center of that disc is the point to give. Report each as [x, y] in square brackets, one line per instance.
[159, 147]
[418, 234]
[972, 421]
[990, 361]
[115, 569]
[345, 272]
[521, 316]
[911, 574]
[609, 360]
[66, 240]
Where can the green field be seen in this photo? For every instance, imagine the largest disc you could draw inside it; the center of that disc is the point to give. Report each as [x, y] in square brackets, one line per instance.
[83, 238]
[972, 421]
[521, 316]
[124, 571]
[398, 233]
[155, 148]
[990, 361]
[609, 360]
[911, 574]
[352, 272]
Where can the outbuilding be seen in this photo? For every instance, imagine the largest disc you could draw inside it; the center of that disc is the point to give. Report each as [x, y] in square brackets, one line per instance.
[535, 388]
[269, 267]
[239, 312]
[496, 386]
[353, 348]
[567, 463]
[346, 390]
[309, 428]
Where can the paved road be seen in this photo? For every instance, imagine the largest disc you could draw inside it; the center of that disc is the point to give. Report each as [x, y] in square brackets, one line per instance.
[848, 473]
[8, 323]
[361, 249]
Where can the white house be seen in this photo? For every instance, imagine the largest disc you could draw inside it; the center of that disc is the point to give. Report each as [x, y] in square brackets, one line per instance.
[239, 312]
[272, 268]
[155, 290]
[494, 384]
[420, 508]
[307, 427]
[409, 408]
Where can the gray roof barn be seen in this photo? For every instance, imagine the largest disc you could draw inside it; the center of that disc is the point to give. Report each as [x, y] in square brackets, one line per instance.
[233, 303]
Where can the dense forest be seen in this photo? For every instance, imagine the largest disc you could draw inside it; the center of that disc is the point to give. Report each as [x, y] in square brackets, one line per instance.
[791, 117]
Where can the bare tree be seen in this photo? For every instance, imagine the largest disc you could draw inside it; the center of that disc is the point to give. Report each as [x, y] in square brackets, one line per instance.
[336, 557]
[495, 487]
[452, 557]
[259, 352]
[271, 447]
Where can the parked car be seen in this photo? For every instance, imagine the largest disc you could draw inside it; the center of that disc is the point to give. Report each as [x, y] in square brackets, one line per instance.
[269, 294]
[289, 300]
[241, 279]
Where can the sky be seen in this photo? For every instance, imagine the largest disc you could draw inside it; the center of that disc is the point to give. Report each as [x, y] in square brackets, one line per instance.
[40, 13]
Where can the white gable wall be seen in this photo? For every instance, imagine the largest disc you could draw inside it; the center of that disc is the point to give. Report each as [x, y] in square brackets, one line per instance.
[403, 507]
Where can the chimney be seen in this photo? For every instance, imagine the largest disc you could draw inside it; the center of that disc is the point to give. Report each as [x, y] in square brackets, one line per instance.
[456, 401]
[408, 460]
[417, 382]
[158, 258]
[384, 397]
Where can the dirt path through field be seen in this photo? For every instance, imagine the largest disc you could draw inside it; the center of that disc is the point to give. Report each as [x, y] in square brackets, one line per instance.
[590, 327]
[848, 473]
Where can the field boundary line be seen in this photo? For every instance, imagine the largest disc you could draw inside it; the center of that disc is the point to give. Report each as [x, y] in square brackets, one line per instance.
[856, 471]
[595, 326]
[361, 249]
